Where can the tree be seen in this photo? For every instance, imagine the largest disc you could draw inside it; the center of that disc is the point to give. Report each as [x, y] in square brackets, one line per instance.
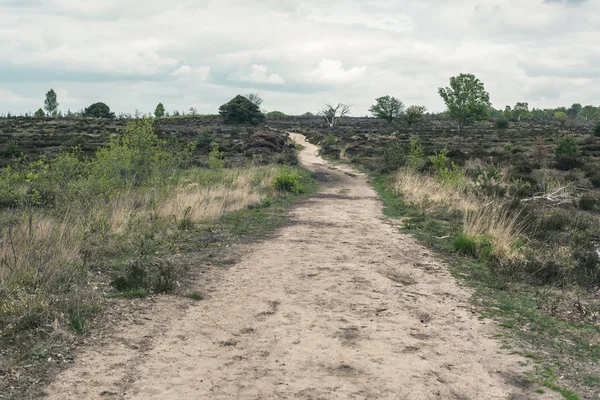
[176, 113]
[333, 115]
[521, 110]
[561, 117]
[254, 98]
[466, 99]
[98, 110]
[51, 103]
[589, 111]
[39, 114]
[159, 111]
[240, 110]
[388, 108]
[414, 114]
[574, 111]
[193, 111]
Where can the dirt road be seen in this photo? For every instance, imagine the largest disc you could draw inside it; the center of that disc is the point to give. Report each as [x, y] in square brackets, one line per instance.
[337, 305]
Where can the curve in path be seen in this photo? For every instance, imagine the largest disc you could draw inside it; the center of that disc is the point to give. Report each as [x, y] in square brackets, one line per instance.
[338, 304]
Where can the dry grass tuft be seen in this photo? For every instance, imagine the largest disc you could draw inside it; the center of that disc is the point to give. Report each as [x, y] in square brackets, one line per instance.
[491, 219]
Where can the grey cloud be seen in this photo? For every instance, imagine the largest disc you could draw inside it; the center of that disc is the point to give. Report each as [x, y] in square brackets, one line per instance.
[353, 51]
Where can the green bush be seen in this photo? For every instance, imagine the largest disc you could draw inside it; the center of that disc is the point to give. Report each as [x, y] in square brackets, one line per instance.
[98, 110]
[132, 159]
[416, 155]
[204, 140]
[446, 175]
[11, 149]
[501, 123]
[465, 245]
[216, 158]
[394, 157]
[288, 182]
[597, 129]
[240, 110]
[566, 146]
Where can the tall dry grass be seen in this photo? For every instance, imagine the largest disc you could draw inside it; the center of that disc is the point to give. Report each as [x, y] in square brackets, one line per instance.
[491, 218]
[43, 253]
[238, 189]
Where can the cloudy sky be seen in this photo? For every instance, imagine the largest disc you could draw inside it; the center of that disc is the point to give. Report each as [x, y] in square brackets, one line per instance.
[297, 55]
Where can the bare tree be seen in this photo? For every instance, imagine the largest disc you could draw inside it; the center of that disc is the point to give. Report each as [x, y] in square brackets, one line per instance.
[254, 98]
[333, 115]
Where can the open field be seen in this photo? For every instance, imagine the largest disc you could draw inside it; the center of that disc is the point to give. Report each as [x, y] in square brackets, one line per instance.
[504, 214]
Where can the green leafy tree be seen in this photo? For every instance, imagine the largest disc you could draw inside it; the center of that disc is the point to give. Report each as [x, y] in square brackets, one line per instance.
[240, 110]
[414, 114]
[159, 111]
[388, 108]
[39, 114]
[98, 110]
[466, 99]
[521, 110]
[193, 111]
[51, 103]
[589, 112]
[574, 110]
[562, 117]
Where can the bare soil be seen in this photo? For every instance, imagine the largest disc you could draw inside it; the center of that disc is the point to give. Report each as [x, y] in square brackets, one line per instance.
[338, 304]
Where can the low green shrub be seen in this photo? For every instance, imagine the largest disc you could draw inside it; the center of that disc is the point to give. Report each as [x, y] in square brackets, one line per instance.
[465, 245]
[151, 276]
[501, 123]
[394, 158]
[216, 158]
[567, 154]
[11, 149]
[416, 155]
[597, 129]
[288, 182]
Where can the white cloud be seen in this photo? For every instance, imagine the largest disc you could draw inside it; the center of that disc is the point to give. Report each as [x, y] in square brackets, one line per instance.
[200, 74]
[333, 72]
[260, 74]
[297, 55]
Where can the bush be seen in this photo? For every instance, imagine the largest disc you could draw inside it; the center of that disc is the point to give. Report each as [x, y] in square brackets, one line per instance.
[132, 159]
[597, 129]
[155, 277]
[416, 155]
[566, 146]
[567, 163]
[98, 110]
[501, 123]
[204, 140]
[394, 157]
[11, 149]
[275, 114]
[288, 182]
[216, 158]
[465, 244]
[240, 110]
[587, 203]
[446, 176]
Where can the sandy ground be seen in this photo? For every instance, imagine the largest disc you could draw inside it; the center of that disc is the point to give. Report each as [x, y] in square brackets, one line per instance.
[337, 305]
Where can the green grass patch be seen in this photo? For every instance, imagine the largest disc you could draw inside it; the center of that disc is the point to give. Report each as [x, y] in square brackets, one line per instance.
[196, 296]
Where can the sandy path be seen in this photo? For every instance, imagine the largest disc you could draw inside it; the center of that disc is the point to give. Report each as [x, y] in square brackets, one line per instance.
[337, 305]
